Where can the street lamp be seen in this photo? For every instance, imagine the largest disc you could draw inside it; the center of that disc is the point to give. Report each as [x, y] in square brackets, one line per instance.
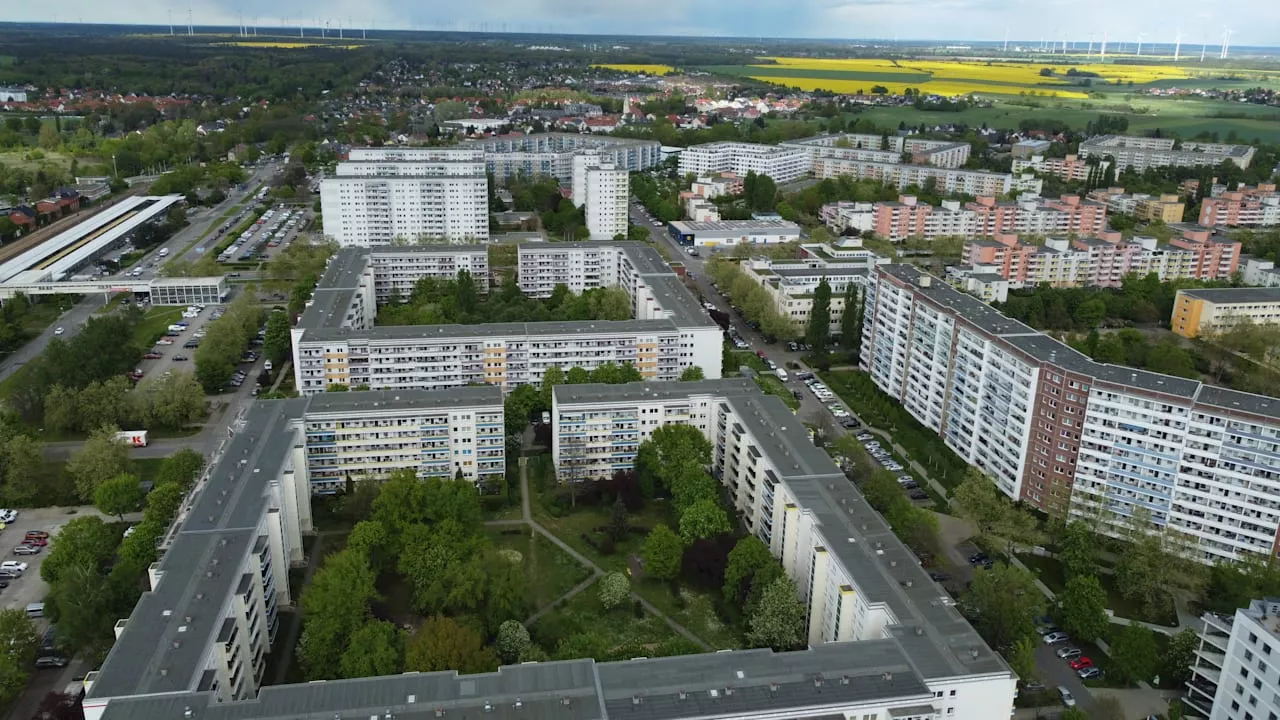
[113, 165]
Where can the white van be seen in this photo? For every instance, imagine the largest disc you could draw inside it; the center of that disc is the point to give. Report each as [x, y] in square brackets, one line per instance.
[782, 374]
[35, 610]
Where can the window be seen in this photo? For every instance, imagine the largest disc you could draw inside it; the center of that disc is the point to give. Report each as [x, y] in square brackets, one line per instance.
[1253, 639]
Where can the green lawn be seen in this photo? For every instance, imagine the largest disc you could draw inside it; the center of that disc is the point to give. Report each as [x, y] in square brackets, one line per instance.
[1050, 572]
[622, 634]
[580, 530]
[549, 571]
[694, 610]
[774, 386]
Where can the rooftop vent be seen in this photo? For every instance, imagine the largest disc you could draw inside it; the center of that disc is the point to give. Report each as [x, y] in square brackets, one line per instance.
[817, 682]
[887, 676]
[844, 679]
[439, 712]
[166, 613]
[488, 706]
[682, 695]
[565, 701]
[773, 687]
[187, 712]
[519, 704]
[635, 699]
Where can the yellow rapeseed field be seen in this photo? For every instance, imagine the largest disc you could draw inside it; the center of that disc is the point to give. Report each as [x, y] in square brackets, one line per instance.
[288, 45]
[646, 69]
[955, 77]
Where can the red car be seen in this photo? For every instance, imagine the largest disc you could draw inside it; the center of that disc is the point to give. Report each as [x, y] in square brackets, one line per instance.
[153, 356]
[35, 541]
[37, 534]
[1081, 663]
[760, 354]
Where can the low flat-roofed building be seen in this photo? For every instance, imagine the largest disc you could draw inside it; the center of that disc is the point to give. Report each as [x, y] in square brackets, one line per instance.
[1207, 310]
[728, 233]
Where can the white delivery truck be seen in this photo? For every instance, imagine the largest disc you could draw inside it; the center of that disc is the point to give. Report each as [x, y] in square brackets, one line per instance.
[164, 252]
[135, 438]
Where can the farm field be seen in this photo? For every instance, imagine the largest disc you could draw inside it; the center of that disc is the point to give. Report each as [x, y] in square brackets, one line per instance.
[287, 45]
[638, 68]
[955, 77]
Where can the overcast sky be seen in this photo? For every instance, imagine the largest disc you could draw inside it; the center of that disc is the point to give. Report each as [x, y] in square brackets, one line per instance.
[1254, 22]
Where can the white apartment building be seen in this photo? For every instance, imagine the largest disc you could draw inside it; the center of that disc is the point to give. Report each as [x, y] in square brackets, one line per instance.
[949, 180]
[384, 195]
[1200, 460]
[336, 342]
[783, 164]
[885, 149]
[438, 434]
[396, 270]
[604, 191]
[860, 584]
[1141, 153]
[791, 284]
[506, 156]
[1236, 672]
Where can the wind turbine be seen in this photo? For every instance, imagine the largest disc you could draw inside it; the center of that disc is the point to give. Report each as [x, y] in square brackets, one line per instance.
[1089, 52]
[1177, 45]
[1006, 38]
[170, 23]
[1202, 49]
[1226, 42]
[1140, 38]
[1103, 54]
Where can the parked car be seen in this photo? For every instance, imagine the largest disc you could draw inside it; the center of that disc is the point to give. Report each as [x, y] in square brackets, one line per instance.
[1081, 663]
[918, 495]
[35, 541]
[1066, 696]
[37, 534]
[1067, 653]
[179, 358]
[25, 549]
[7, 516]
[939, 576]
[1056, 637]
[1090, 673]
[52, 661]
[13, 566]
[153, 355]
[1046, 629]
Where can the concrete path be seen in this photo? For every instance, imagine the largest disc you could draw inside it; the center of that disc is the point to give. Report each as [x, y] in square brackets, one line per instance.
[561, 600]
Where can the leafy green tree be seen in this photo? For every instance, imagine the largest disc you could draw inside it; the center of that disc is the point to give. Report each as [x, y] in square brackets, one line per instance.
[371, 539]
[1083, 605]
[819, 329]
[277, 342]
[1002, 604]
[119, 495]
[750, 565]
[586, 644]
[23, 461]
[81, 606]
[506, 595]
[662, 552]
[1022, 658]
[1140, 572]
[374, 649]
[334, 606]
[513, 641]
[851, 319]
[671, 451]
[551, 377]
[445, 566]
[1134, 654]
[519, 405]
[441, 643]
[99, 459]
[1179, 655]
[778, 619]
[1079, 550]
[83, 540]
[614, 590]
[977, 499]
[691, 373]
[19, 641]
[703, 519]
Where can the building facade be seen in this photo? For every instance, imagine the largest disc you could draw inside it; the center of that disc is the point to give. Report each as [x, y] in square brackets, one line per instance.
[948, 180]
[604, 192]
[1245, 207]
[382, 195]
[728, 233]
[781, 163]
[506, 156]
[1072, 436]
[858, 582]
[1233, 676]
[1206, 310]
[1070, 167]
[1141, 153]
[336, 341]
[885, 149]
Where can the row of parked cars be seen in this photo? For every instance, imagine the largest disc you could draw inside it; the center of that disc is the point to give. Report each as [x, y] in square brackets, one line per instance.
[1075, 657]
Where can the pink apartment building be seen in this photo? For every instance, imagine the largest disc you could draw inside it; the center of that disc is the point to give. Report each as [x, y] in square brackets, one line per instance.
[1246, 207]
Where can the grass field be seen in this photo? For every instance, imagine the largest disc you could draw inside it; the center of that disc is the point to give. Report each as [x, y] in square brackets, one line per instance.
[33, 159]
[549, 571]
[640, 68]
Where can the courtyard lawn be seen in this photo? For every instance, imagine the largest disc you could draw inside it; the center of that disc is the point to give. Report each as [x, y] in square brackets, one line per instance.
[549, 571]
[693, 609]
[581, 529]
[620, 633]
[1050, 572]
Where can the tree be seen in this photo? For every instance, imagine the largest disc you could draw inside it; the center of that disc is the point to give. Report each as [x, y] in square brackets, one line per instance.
[23, 461]
[49, 138]
[19, 641]
[614, 590]
[59, 706]
[750, 565]
[1002, 603]
[440, 643]
[1179, 655]
[551, 377]
[277, 342]
[376, 648]
[506, 594]
[181, 468]
[518, 407]
[334, 606]
[672, 450]
[83, 540]
[1134, 654]
[1141, 572]
[119, 495]
[99, 459]
[81, 606]
[819, 329]
[703, 519]
[371, 539]
[977, 499]
[691, 373]
[1083, 605]
[512, 642]
[1079, 550]
[662, 552]
[778, 619]
[1090, 313]
[1022, 658]
[851, 320]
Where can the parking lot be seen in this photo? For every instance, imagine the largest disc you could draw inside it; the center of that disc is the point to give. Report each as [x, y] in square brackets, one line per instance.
[170, 348]
[30, 588]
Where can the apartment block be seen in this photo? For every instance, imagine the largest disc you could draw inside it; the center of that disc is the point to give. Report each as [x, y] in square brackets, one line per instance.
[949, 180]
[1141, 153]
[1060, 431]
[397, 269]
[607, 194]
[336, 341]
[907, 217]
[859, 583]
[1256, 271]
[782, 164]
[1202, 310]
[1233, 676]
[791, 283]
[1070, 167]
[382, 195]
[1149, 208]
[885, 149]
[714, 186]
[1245, 207]
[506, 156]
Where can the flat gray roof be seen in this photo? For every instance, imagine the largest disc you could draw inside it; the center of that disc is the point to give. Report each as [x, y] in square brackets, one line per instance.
[1236, 401]
[734, 225]
[976, 312]
[434, 249]
[489, 330]
[1235, 296]
[364, 401]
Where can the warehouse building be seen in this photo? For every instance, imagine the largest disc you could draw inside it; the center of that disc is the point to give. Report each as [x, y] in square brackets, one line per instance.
[728, 233]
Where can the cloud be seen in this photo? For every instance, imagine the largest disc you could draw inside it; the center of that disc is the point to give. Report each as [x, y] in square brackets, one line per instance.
[1253, 22]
